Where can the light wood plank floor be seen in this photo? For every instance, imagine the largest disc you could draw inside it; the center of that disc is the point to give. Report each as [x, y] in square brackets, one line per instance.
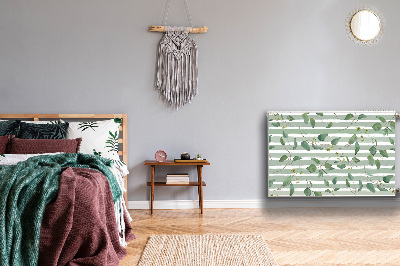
[296, 236]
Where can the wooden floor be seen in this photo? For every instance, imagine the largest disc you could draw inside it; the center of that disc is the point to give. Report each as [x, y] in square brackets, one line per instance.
[296, 236]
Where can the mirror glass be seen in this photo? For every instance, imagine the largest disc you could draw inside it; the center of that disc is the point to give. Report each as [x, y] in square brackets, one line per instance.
[365, 25]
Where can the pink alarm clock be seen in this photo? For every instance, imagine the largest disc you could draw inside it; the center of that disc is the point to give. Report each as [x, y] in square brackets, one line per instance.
[161, 156]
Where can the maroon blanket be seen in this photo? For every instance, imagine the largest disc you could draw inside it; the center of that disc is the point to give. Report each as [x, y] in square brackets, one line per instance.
[79, 227]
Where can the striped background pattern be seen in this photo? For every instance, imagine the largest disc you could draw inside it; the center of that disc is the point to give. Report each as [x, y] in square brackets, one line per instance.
[331, 154]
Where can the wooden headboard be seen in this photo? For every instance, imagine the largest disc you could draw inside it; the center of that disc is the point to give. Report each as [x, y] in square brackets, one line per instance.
[123, 138]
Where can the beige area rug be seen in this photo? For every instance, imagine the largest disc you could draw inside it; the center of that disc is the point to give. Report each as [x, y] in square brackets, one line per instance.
[206, 250]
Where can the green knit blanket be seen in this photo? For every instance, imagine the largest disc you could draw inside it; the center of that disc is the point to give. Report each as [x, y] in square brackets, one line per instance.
[25, 190]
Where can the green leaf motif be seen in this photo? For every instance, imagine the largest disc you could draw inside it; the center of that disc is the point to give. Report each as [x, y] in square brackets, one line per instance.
[290, 118]
[326, 183]
[347, 183]
[320, 173]
[360, 185]
[387, 178]
[112, 141]
[287, 181]
[305, 145]
[336, 189]
[322, 137]
[282, 141]
[312, 168]
[305, 117]
[296, 158]
[329, 125]
[312, 122]
[283, 158]
[316, 147]
[335, 141]
[328, 166]
[384, 153]
[341, 166]
[284, 134]
[295, 144]
[317, 194]
[271, 182]
[378, 164]
[372, 150]
[377, 126]
[391, 141]
[291, 189]
[271, 147]
[394, 167]
[392, 124]
[350, 176]
[334, 181]
[356, 160]
[357, 148]
[353, 139]
[316, 160]
[276, 124]
[383, 120]
[348, 116]
[270, 138]
[386, 132]
[307, 192]
[370, 160]
[382, 188]
[361, 116]
[320, 114]
[327, 190]
[370, 187]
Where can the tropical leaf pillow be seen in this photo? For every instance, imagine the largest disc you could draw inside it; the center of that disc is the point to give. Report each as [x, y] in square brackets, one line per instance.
[10, 127]
[43, 131]
[98, 137]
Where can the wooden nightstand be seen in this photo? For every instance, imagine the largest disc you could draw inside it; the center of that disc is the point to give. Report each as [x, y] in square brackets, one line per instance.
[198, 184]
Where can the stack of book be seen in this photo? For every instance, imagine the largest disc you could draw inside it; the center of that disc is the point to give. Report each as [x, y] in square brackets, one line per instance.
[177, 178]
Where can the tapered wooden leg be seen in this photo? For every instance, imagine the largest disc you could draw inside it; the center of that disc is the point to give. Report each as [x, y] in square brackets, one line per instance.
[152, 187]
[200, 180]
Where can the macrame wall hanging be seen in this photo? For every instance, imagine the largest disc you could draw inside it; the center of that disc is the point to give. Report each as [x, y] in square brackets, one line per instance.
[176, 77]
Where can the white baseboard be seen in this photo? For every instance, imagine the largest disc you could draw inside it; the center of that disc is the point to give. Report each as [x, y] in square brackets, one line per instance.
[262, 203]
[191, 204]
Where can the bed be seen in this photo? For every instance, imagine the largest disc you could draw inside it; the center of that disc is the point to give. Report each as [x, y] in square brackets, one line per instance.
[59, 207]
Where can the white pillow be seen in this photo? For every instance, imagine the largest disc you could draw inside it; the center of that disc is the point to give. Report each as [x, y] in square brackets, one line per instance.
[98, 137]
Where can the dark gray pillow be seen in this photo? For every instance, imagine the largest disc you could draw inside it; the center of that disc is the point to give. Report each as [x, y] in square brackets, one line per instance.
[43, 131]
[10, 127]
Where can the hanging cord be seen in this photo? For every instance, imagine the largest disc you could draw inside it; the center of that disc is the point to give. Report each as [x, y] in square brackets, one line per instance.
[166, 12]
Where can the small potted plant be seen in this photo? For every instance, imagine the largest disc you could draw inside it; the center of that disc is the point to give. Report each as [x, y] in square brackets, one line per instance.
[198, 157]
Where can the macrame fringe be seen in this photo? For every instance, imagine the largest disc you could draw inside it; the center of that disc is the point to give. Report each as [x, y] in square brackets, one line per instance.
[177, 68]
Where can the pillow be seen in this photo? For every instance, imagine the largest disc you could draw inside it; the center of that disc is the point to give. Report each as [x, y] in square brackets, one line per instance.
[98, 138]
[3, 143]
[10, 127]
[33, 146]
[43, 131]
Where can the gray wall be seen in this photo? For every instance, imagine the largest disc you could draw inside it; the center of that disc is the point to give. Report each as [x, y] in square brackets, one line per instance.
[98, 56]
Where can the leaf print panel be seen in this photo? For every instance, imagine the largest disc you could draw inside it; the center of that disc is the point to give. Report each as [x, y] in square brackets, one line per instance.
[98, 137]
[331, 154]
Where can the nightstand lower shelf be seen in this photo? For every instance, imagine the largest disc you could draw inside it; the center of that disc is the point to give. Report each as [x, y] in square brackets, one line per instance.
[164, 184]
[199, 184]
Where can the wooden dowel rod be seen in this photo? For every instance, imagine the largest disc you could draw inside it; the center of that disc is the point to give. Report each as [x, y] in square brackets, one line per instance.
[191, 30]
